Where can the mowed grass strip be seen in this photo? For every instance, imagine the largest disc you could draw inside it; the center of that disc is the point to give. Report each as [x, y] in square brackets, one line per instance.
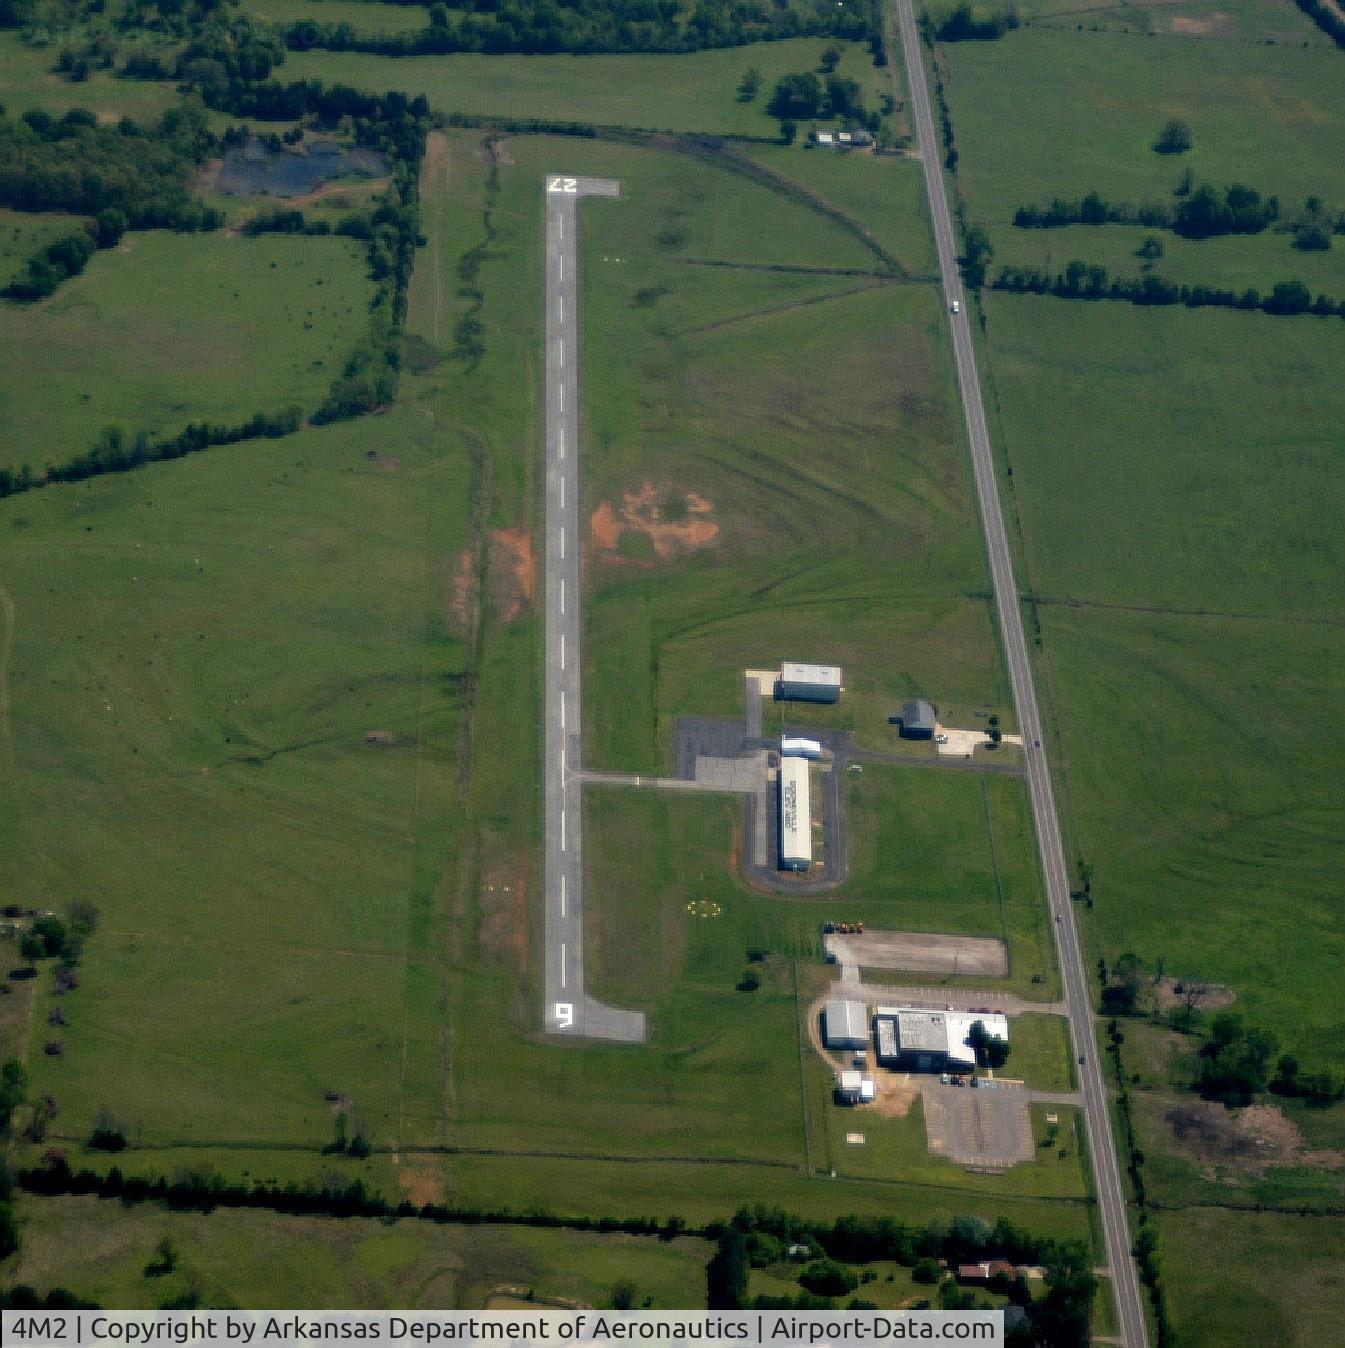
[172, 328]
[693, 91]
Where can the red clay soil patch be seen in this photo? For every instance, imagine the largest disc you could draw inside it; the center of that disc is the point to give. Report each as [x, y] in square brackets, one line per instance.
[462, 595]
[675, 521]
[421, 1186]
[513, 573]
[503, 930]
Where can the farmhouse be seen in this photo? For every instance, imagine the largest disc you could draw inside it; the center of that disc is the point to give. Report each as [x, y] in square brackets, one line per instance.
[917, 720]
[796, 828]
[845, 1024]
[808, 683]
[910, 1039]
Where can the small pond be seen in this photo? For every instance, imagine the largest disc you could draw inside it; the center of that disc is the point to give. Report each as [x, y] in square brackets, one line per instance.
[253, 168]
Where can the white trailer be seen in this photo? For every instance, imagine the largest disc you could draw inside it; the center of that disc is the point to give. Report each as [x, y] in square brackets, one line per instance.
[796, 828]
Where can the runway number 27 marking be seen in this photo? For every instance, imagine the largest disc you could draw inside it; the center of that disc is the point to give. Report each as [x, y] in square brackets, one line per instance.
[562, 184]
[564, 1015]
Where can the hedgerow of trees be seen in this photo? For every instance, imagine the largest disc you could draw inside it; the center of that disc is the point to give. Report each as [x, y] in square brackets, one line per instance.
[591, 26]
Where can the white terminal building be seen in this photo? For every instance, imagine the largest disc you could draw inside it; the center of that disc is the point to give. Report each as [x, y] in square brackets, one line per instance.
[809, 683]
[796, 827]
[914, 1039]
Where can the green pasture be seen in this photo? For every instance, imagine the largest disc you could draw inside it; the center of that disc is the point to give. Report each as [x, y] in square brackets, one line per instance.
[28, 80]
[1229, 261]
[1295, 1297]
[1267, 116]
[1173, 459]
[102, 1251]
[1197, 23]
[171, 328]
[190, 690]
[23, 234]
[1183, 535]
[692, 91]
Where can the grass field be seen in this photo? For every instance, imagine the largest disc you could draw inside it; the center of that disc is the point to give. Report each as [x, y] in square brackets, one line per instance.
[364, 16]
[27, 80]
[1293, 1298]
[1197, 24]
[22, 234]
[171, 328]
[694, 91]
[101, 1251]
[1209, 611]
[1111, 93]
[1040, 1053]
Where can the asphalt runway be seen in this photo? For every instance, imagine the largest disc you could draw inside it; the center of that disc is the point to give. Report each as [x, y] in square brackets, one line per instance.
[1101, 1143]
[568, 1010]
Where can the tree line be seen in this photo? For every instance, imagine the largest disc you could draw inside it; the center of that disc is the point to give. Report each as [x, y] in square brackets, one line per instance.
[1084, 281]
[1201, 213]
[586, 27]
[965, 24]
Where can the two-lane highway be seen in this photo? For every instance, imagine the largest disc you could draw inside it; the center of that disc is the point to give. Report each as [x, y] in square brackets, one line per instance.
[1078, 998]
[567, 1009]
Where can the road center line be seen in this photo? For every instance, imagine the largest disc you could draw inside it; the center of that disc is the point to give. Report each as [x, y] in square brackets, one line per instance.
[562, 643]
[562, 964]
[562, 896]
[562, 596]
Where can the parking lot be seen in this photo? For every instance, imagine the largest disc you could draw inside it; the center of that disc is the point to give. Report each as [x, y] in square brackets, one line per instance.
[978, 1127]
[921, 952]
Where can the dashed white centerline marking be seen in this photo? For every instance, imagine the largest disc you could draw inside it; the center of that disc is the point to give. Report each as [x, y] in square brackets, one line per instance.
[562, 710]
[560, 398]
[562, 493]
[562, 596]
[560, 267]
[562, 964]
[562, 828]
[562, 547]
[560, 310]
[562, 896]
[562, 643]
[560, 354]
[562, 767]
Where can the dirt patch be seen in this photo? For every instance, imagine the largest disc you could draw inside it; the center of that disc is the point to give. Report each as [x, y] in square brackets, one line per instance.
[513, 573]
[923, 952]
[675, 521]
[503, 930]
[1252, 1140]
[1170, 993]
[895, 1093]
[463, 592]
[379, 738]
[389, 463]
[421, 1186]
[1203, 27]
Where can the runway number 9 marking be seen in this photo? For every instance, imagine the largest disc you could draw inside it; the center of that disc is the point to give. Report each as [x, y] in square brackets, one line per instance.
[564, 1015]
[562, 184]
